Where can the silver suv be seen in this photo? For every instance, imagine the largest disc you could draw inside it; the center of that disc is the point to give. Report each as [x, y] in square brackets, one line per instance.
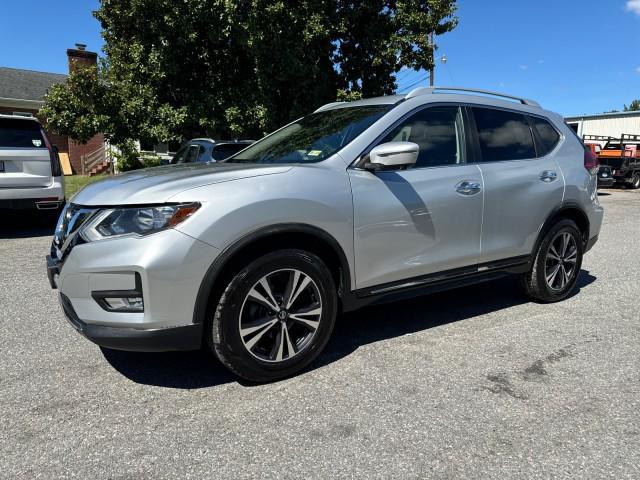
[355, 204]
[30, 171]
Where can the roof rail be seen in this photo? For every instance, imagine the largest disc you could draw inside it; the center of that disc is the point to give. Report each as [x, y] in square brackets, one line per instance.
[430, 90]
[327, 106]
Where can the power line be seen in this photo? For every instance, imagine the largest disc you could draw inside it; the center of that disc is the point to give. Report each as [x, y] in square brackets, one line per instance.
[420, 80]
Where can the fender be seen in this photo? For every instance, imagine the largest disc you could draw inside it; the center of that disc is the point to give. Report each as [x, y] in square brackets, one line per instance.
[200, 310]
[555, 213]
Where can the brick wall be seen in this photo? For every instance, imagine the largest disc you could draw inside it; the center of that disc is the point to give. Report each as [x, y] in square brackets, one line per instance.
[76, 150]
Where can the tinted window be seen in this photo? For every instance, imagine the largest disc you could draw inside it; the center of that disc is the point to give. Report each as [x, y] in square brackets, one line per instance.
[20, 134]
[503, 135]
[439, 133]
[187, 154]
[203, 154]
[613, 146]
[547, 135]
[220, 152]
[313, 138]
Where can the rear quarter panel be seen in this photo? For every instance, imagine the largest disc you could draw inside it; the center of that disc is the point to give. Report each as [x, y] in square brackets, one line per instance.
[581, 187]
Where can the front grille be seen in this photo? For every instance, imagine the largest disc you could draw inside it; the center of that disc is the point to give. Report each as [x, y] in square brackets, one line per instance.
[66, 236]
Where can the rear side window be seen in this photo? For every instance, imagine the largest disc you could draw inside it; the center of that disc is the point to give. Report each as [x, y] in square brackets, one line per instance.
[547, 135]
[20, 134]
[503, 135]
[220, 152]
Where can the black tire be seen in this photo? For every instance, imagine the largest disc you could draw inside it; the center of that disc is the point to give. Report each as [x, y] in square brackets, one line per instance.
[260, 363]
[535, 282]
[634, 181]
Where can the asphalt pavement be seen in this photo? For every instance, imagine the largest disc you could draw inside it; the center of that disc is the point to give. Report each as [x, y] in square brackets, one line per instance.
[473, 383]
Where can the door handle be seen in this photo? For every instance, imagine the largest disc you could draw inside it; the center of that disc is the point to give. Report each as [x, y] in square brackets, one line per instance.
[468, 188]
[548, 176]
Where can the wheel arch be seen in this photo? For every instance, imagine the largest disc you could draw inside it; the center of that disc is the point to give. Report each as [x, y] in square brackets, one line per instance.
[264, 240]
[571, 211]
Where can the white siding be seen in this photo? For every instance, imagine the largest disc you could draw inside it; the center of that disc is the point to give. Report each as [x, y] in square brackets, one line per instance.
[611, 126]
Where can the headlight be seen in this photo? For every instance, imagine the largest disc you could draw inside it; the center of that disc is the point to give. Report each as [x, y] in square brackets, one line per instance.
[136, 220]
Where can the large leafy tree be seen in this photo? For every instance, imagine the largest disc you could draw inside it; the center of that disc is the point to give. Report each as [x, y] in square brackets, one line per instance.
[180, 68]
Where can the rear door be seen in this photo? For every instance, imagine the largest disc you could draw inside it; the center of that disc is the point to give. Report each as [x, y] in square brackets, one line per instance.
[24, 157]
[523, 182]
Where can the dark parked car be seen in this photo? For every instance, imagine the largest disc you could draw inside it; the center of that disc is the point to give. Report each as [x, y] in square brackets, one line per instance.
[208, 150]
[605, 176]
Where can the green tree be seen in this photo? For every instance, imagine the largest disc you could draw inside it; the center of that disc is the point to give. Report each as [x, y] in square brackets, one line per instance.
[633, 106]
[175, 69]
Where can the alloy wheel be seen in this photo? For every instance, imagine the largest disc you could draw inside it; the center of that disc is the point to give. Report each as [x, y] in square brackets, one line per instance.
[280, 315]
[560, 261]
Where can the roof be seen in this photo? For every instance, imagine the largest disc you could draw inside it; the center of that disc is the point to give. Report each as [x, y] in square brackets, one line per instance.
[26, 84]
[603, 115]
[444, 94]
[19, 117]
[219, 142]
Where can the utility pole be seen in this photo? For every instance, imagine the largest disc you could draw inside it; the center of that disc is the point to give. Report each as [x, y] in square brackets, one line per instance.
[433, 55]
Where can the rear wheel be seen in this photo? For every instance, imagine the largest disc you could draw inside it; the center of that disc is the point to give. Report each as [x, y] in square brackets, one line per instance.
[275, 316]
[634, 182]
[557, 264]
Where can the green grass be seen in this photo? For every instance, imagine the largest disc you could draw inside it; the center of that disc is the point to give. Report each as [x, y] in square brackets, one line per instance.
[73, 183]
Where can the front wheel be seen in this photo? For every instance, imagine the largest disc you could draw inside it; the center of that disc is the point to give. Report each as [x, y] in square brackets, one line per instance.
[634, 182]
[275, 316]
[556, 264]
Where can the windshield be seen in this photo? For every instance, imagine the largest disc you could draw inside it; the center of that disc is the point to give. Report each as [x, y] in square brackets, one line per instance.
[313, 138]
[612, 146]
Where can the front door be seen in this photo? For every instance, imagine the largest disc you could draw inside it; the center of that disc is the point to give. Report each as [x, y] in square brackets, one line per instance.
[427, 219]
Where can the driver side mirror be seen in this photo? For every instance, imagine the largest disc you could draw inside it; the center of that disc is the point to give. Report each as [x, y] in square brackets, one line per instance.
[393, 156]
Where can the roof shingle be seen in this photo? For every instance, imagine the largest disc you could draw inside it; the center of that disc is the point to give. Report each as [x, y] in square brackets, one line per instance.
[26, 84]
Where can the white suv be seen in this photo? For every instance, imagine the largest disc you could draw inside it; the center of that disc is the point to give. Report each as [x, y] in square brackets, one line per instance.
[30, 171]
[354, 204]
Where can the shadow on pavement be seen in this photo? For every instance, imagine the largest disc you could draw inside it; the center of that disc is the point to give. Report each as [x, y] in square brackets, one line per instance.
[188, 370]
[200, 369]
[18, 224]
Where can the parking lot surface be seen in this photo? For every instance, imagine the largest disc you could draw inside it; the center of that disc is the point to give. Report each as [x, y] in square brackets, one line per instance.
[472, 383]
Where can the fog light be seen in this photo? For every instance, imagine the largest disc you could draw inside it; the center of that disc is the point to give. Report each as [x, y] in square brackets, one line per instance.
[128, 304]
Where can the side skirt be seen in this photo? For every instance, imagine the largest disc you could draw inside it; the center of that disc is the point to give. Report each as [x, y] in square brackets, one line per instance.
[435, 282]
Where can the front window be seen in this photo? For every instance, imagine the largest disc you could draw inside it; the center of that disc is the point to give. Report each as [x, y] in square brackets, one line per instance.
[313, 138]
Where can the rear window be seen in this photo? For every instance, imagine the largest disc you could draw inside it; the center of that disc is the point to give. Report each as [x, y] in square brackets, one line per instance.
[503, 135]
[547, 135]
[20, 134]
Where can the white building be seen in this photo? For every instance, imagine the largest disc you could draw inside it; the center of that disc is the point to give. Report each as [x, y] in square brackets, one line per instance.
[606, 124]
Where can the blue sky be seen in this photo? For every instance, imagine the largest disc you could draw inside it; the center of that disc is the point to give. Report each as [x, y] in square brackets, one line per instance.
[573, 56]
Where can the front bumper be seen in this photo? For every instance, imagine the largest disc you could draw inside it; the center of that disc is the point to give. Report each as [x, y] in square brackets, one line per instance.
[166, 269]
[188, 337]
[606, 181]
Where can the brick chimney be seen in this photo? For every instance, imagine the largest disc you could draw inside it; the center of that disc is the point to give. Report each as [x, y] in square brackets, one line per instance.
[80, 56]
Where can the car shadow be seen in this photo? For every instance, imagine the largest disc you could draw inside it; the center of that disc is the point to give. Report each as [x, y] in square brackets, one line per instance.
[16, 224]
[200, 369]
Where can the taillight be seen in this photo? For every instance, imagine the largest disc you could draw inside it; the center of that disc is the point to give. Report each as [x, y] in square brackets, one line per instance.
[56, 168]
[591, 162]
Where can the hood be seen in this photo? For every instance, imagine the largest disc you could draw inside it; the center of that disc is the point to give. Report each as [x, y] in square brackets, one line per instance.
[158, 184]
